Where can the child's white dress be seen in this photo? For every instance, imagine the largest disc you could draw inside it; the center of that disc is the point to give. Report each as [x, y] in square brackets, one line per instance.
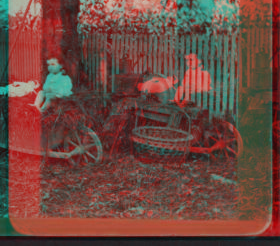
[59, 84]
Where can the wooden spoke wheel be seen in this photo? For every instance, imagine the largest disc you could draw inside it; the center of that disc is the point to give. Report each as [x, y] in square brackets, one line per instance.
[83, 146]
[224, 141]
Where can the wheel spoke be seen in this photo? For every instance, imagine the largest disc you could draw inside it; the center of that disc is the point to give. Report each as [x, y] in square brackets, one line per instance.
[72, 161]
[216, 140]
[231, 150]
[226, 154]
[86, 159]
[218, 133]
[90, 155]
[71, 142]
[230, 140]
[78, 138]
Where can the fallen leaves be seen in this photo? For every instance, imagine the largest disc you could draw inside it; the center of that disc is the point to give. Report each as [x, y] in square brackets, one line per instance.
[129, 189]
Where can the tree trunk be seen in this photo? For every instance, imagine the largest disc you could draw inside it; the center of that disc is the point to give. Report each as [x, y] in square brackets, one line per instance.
[60, 35]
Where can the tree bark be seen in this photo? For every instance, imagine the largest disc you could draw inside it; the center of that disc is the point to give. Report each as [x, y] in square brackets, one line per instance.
[60, 35]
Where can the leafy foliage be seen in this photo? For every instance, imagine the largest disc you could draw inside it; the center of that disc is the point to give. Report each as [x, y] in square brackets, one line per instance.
[183, 16]
[31, 22]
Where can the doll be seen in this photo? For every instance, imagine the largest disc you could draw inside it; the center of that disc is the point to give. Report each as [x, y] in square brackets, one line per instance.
[19, 89]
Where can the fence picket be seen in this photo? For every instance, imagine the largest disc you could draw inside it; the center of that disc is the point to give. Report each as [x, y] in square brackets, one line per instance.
[257, 39]
[238, 61]
[155, 54]
[170, 55]
[113, 61]
[218, 77]
[150, 52]
[86, 41]
[193, 75]
[105, 68]
[97, 57]
[253, 47]
[182, 43]
[145, 57]
[232, 72]
[160, 55]
[140, 52]
[117, 54]
[136, 70]
[267, 36]
[212, 71]
[165, 54]
[176, 70]
[187, 93]
[130, 47]
[205, 80]
[199, 80]
[92, 63]
[225, 74]
[126, 45]
[248, 59]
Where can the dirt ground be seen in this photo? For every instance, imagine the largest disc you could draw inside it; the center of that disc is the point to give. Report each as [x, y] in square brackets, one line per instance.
[127, 188]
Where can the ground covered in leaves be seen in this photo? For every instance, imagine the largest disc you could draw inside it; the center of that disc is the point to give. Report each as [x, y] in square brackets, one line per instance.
[126, 188]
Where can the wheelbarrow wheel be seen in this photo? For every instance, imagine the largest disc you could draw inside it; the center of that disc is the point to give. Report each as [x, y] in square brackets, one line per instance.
[224, 140]
[83, 146]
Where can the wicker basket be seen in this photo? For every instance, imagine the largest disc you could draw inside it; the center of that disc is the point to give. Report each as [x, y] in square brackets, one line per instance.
[160, 144]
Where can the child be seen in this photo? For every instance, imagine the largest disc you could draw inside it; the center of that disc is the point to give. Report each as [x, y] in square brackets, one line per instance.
[57, 85]
[195, 80]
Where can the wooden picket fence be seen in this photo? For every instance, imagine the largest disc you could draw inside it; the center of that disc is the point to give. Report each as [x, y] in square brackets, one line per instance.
[165, 55]
[158, 54]
[25, 58]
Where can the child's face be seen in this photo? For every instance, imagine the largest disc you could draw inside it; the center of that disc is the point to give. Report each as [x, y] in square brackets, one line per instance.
[192, 63]
[53, 66]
